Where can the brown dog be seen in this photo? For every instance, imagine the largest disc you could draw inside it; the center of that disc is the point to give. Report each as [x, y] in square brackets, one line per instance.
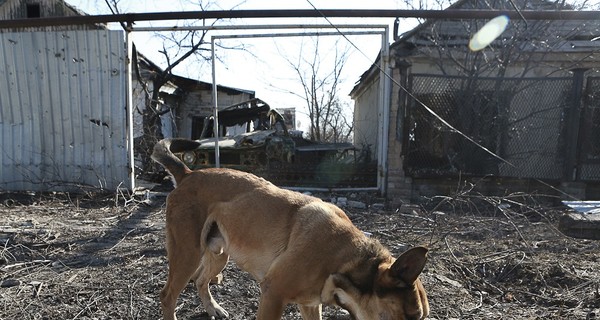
[300, 249]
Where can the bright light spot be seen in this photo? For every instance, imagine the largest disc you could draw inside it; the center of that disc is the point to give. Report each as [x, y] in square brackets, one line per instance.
[488, 33]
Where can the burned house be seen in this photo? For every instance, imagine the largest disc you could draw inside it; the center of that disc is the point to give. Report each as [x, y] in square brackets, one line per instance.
[187, 103]
[520, 115]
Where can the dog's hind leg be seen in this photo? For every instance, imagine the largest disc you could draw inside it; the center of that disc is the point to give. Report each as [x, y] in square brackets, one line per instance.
[210, 266]
[212, 263]
[183, 262]
[270, 307]
[310, 312]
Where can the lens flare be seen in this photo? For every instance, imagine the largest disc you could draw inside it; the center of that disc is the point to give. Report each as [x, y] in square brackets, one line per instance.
[488, 33]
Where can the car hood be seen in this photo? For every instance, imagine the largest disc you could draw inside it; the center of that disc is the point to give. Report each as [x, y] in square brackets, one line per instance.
[244, 140]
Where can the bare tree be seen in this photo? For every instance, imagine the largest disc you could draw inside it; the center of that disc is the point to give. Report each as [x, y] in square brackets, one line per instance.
[190, 44]
[176, 48]
[320, 79]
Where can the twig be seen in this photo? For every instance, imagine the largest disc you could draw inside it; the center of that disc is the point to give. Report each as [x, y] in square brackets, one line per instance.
[87, 306]
[415, 217]
[504, 255]
[479, 304]
[471, 273]
[118, 243]
[532, 294]
[36, 291]
[14, 265]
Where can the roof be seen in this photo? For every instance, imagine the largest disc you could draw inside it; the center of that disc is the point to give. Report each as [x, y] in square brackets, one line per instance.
[187, 84]
[184, 83]
[567, 35]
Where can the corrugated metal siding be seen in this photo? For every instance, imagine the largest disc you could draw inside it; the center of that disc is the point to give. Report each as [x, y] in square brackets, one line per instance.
[63, 110]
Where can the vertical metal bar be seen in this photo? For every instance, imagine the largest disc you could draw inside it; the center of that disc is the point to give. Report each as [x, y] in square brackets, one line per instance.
[215, 108]
[129, 80]
[572, 130]
[384, 114]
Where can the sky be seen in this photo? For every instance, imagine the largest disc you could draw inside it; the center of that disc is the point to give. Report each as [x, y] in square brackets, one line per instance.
[262, 67]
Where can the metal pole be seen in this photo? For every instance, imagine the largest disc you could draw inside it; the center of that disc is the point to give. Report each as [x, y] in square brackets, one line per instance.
[573, 121]
[381, 134]
[215, 105]
[129, 103]
[297, 34]
[259, 27]
[385, 83]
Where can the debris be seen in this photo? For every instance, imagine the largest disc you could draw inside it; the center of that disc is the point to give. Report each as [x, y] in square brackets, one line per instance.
[356, 204]
[378, 206]
[7, 283]
[447, 280]
[342, 202]
[580, 225]
[584, 223]
[409, 209]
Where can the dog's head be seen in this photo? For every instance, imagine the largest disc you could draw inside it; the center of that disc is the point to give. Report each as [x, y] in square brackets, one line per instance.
[396, 294]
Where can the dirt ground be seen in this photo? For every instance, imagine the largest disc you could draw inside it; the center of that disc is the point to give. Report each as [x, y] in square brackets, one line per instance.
[102, 257]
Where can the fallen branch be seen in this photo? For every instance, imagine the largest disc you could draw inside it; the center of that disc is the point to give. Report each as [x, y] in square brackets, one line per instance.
[19, 264]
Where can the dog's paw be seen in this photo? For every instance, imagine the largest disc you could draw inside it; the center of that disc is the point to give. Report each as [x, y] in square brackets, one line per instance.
[218, 312]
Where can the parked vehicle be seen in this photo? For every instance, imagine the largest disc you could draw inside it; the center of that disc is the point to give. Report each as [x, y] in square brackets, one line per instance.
[255, 138]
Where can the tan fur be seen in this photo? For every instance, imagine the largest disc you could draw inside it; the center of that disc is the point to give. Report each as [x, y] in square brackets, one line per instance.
[300, 249]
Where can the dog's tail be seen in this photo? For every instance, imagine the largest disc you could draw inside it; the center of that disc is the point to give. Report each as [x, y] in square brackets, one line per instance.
[163, 154]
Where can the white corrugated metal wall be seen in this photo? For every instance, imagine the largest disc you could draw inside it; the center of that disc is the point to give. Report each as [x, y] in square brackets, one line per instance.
[63, 110]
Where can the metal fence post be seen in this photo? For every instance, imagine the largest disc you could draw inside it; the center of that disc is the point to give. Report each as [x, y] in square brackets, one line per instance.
[572, 121]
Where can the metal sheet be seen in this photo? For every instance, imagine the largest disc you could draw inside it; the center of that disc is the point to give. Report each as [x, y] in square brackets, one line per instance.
[63, 110]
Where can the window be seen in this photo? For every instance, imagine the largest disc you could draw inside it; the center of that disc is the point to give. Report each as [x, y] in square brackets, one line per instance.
[34, 10]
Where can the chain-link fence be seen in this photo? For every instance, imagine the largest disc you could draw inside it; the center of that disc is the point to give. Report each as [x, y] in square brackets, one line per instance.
[589, 169]
[520, 120]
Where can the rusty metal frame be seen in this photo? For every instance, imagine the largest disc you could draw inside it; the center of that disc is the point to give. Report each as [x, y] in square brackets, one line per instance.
[384, 87]
[302, 13]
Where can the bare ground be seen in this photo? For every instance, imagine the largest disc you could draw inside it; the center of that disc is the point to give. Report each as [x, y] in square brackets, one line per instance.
[102, 257]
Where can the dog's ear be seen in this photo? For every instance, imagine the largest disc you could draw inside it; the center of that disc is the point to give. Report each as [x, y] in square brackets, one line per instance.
[409, 265]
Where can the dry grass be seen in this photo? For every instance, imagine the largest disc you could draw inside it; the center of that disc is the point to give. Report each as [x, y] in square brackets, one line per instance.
[97, 257]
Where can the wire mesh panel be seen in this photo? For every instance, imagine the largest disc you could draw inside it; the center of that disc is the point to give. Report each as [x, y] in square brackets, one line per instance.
[515, 126]
[589, 157]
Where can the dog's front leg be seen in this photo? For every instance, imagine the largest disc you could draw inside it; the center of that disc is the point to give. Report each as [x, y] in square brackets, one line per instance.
[270, 309]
